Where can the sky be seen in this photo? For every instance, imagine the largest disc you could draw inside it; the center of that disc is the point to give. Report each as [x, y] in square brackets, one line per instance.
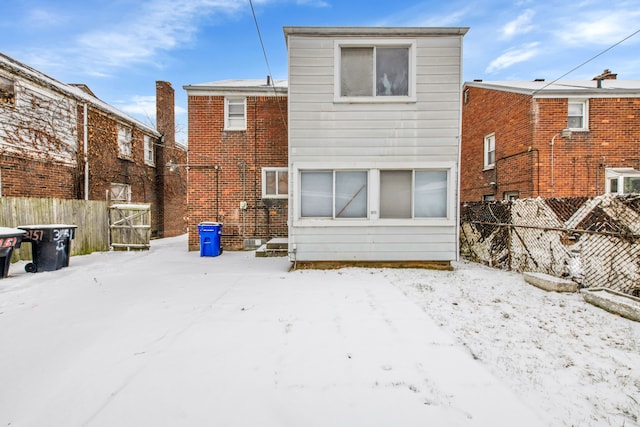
[119, 48]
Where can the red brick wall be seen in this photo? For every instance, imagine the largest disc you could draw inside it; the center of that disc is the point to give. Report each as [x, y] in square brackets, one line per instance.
[524, 128]
[215, 193]
[24, 177]
[172, 185]
[508, 116]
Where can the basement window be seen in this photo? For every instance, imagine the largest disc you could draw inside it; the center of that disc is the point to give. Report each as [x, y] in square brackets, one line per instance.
[7, 91]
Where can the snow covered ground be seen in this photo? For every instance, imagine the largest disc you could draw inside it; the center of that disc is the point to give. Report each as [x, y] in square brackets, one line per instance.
[167, 338]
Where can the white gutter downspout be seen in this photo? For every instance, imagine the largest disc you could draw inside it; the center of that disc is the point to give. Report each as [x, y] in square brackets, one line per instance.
[86, 157]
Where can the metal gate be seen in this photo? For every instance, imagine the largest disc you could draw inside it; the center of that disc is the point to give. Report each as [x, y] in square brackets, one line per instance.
[129, 226]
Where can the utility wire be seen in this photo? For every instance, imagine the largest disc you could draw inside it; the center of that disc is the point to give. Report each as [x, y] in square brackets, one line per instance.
[587, 61]
[266, 60]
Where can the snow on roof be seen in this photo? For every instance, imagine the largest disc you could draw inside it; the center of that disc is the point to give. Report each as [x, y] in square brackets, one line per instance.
[240, 85]
[612, 87]
[73, 91]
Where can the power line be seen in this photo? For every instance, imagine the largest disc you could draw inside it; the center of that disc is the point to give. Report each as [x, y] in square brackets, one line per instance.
[266, 60]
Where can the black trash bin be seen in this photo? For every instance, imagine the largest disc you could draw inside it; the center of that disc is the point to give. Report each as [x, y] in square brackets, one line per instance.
[9, 238]
[50, 246]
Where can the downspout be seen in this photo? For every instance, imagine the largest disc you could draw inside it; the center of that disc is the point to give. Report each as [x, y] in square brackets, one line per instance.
[86, 157]
[255, 166]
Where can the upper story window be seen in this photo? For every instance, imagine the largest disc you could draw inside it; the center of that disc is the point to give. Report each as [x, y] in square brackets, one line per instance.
[490, 151]
[622, 181]
[577, 114]
[379, 71]
[148, 151]
[124, 140]
[7, 91]
[235, 113]
[275, 183]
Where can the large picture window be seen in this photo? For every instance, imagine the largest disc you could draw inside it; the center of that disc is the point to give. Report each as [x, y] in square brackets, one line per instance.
[413, 194]
[378, 71]
[333, 194]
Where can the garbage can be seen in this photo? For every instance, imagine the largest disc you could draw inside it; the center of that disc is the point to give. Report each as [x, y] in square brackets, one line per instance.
[9, 238]
[50, 246]
[210, 233]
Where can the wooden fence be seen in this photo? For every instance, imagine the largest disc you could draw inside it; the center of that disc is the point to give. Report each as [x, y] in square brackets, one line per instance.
[91, 217]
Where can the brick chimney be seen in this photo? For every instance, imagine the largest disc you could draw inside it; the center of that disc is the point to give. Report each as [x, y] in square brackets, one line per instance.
[606, 75]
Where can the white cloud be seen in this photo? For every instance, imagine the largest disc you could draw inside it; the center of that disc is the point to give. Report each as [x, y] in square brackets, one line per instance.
[314, 3]
[520, 25]
[513, 56]
[166, 24]
[600, 27]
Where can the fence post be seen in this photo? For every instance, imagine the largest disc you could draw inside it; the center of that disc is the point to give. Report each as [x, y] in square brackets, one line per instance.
[509, 226]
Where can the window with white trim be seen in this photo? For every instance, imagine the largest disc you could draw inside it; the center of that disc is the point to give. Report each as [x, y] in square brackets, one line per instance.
[120, 192]
[577, 114]
[413, 193]
[275, 183]
[235, 113]
[149, 157]
[622, 181]
[124, 140]
[490, 151]
[7, 91]
[333, 194]
[375, 70]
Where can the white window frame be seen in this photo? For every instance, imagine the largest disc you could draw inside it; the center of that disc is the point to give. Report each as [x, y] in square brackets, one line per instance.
[278, 171]
[149, 156]
[489, 141]
[125, 141]
[373, 196]
[618, 175]
[373, 43]
[333, 197]
[119, 192]
[585, 114]
[235, 100]
[8, 91]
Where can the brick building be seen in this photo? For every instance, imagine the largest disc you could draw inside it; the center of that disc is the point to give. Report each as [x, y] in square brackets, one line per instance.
[237, 160]
[46, 127]
[550, 139]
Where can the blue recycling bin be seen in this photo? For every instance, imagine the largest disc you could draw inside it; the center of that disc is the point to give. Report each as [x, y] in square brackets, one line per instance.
[210, 233]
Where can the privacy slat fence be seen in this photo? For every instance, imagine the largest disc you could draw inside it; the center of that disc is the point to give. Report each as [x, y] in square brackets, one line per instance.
[594, 242]
[91, 217]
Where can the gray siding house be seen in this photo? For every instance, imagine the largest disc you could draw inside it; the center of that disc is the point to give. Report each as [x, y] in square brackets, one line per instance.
[374, 139]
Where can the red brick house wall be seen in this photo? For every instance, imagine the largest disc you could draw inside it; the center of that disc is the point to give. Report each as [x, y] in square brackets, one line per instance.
[24, 177]
[524, 127]
[226, 169]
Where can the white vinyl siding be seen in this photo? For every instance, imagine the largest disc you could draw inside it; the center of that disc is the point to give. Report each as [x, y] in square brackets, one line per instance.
[418, 133]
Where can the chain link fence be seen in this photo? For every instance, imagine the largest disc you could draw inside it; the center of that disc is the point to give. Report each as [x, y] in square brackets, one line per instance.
[593, 241]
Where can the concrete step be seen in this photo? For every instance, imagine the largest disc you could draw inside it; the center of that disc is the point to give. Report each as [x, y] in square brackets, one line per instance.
[550, 283]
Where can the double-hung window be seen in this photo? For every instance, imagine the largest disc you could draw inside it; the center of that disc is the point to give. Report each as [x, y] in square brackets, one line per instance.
[124, 140]
[275, 183]
[490, 151]
[413, 193]
[148, 151]
[375, 71]
[333, 194]
[577, 114]
[235, 113]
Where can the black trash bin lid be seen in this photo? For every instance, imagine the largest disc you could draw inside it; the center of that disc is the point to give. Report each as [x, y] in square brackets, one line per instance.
[10, 232]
